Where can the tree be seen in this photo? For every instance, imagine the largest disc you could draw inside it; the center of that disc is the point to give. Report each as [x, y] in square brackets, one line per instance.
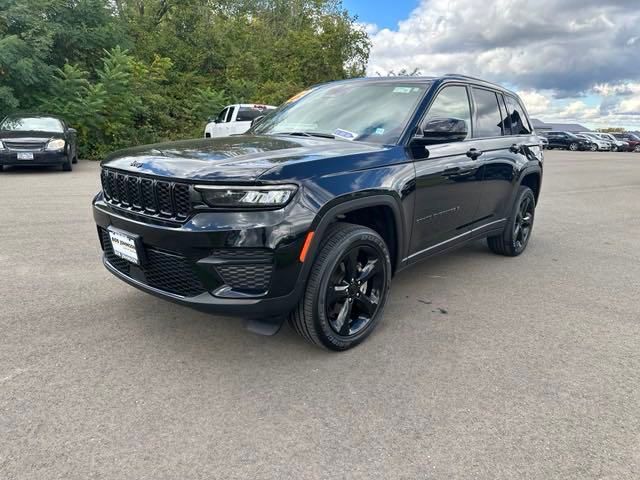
[125, 72]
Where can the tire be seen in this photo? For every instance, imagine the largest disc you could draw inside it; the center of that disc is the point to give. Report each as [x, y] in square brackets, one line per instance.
[67, 166]
[593, 148]
[331, 296]
[637, 149]
[75, 160]
[517, 232]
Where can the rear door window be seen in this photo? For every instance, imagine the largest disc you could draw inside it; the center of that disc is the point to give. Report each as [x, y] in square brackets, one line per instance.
[488, 119]
[248, 114]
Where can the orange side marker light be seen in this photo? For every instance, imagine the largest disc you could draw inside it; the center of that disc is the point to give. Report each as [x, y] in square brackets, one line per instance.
[305, 246]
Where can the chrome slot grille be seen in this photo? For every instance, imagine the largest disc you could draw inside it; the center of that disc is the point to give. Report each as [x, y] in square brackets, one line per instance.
[147, 196]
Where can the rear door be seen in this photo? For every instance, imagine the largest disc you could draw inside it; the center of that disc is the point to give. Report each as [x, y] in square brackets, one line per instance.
[447, 179]
[497, 160]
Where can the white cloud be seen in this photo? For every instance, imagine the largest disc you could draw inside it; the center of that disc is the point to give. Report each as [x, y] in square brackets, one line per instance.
[555, 52]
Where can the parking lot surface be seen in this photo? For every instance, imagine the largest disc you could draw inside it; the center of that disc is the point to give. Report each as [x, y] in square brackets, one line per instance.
[484, 367]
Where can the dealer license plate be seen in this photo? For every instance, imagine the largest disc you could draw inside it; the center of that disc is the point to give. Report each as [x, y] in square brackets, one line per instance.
[124, 246]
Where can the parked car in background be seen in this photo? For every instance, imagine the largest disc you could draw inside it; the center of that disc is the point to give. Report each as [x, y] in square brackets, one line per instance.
[631, 138]
[310, 214]
[235, 119]
[618, 145]
[543, 141]
[39, 140]
[567, 140]
[597, 143]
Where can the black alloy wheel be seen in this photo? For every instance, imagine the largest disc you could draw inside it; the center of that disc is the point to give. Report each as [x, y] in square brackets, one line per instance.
[354, 290]
[524, 222]
[517, 232]
[347, 288]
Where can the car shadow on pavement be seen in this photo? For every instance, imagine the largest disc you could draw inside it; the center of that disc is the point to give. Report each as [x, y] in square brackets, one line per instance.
[224, 339]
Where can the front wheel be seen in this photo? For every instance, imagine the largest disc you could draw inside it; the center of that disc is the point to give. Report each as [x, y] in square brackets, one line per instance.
[347, 288]
[67, 166]
[573, 146]
[515, 237]
[593, 148]
[637, 149]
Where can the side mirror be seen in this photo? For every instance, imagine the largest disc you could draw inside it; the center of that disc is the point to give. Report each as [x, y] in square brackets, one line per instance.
[72, 131]
[257, 120]
[444, 130]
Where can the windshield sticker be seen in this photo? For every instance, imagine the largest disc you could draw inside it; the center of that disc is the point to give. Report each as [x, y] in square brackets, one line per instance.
[298, 96]
[402, 90]
[346, 134]
[379, 131]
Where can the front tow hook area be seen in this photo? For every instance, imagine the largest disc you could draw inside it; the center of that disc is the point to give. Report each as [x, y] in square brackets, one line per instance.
[265, 326]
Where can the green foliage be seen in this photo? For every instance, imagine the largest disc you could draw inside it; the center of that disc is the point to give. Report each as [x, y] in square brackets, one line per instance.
[125, 72]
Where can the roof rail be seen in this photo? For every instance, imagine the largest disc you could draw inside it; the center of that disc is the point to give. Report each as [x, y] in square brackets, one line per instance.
[469, 77]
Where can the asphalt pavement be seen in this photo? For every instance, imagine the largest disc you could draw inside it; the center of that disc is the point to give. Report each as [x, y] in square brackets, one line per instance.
[483, 367]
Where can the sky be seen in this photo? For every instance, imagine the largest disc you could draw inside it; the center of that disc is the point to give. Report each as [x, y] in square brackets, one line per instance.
[570, 60]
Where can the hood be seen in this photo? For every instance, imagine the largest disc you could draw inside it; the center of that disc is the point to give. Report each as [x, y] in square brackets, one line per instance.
[29, 136]
[237, 158]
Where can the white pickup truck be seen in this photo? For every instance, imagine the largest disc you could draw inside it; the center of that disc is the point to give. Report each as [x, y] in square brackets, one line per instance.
[235, 119]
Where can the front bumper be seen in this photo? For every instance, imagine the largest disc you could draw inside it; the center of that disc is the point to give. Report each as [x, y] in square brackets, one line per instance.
[40, 158]
[231, 263]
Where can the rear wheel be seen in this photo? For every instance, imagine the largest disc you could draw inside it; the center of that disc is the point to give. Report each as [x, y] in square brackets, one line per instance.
[347, 288]
[515, 237]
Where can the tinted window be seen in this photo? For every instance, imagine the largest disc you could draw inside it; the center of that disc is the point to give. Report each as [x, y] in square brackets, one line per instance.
[488, 118]
[34, 124]
[451, 102]
[505, 120]
[517, 118]
[247, 114]
[222, 116]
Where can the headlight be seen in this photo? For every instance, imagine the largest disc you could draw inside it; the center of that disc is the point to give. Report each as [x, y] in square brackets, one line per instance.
[56, 144]
[2, 147]
[234, 197]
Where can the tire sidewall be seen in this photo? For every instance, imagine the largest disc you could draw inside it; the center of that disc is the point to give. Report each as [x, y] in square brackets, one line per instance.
[524, 192]
[331, 338]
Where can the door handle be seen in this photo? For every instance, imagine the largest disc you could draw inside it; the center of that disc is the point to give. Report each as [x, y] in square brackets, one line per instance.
[473, 153]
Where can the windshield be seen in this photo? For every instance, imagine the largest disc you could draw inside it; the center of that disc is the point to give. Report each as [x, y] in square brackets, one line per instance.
[363, 111]
[33, 124]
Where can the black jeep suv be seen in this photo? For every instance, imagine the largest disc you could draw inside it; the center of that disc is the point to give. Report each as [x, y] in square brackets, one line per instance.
[567, 140]
[312, 212]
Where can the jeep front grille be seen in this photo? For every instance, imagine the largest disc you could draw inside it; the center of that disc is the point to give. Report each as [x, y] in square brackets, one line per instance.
[166, 199]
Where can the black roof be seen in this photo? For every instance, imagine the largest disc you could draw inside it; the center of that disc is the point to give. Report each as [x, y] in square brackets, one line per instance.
[432, 79]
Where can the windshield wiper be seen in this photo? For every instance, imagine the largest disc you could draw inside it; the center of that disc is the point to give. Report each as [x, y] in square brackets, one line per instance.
[308, 134]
